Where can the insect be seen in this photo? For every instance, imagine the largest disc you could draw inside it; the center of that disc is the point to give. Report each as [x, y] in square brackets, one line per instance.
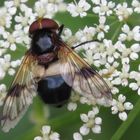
[52, 69]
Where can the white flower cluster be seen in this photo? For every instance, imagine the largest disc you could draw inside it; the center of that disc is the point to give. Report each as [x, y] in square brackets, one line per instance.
[103, 7]
[91, 123]
[48, 134]
[119, 106]
[6, 65]
[78, 9]
[128, 34]
[114, 58]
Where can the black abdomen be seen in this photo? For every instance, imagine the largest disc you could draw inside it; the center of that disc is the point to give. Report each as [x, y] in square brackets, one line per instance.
[54, 90]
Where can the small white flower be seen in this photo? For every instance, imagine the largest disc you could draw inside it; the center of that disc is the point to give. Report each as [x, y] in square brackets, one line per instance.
[86, 34]
[119, 106]
[135, 85]
[122, 11]
[61, 5]
[72, 105]
[48, 134]
[111, 50]
[91, 122]
[11, 40]
[102, 28]
[136, 5]
[24, 19]
[78, 9]
[11, 71]
[122, 76]
[110, 70]
[131, 52]
[66, 35]
[2, 73]
[103, 7]
[94, 54]
[15, 63]
[13, 5]
[89, 56]
[128, 34]
[114, 90]
[44, 8]
[5, 63]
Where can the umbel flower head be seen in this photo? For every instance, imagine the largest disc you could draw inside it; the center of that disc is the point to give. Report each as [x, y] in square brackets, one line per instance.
[114, 53]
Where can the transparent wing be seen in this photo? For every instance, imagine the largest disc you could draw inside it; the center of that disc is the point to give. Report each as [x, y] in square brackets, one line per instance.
[80, 76]
[20, 94]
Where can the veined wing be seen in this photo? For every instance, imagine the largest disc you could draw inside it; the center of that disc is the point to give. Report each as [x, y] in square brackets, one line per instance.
[20, 94]
[80, 76]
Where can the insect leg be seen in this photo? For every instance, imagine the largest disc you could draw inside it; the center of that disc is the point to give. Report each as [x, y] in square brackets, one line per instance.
[84, 43]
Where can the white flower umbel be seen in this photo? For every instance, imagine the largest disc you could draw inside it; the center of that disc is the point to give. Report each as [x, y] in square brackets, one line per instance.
[48, 134]
[122, 11]
[78, 9]
[91, 122]
[103, 7]
[129, 34]
[120, 106]
[136, 5]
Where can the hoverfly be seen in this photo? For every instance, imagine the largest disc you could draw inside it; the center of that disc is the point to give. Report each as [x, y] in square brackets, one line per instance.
[52, 69]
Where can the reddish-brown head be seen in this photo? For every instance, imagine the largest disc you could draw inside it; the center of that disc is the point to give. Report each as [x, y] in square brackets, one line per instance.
[43, 23]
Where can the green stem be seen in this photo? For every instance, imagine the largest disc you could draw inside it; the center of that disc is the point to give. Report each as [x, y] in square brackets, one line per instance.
[116, 32]
[114, 22]
[125, 125]
[92, 15]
